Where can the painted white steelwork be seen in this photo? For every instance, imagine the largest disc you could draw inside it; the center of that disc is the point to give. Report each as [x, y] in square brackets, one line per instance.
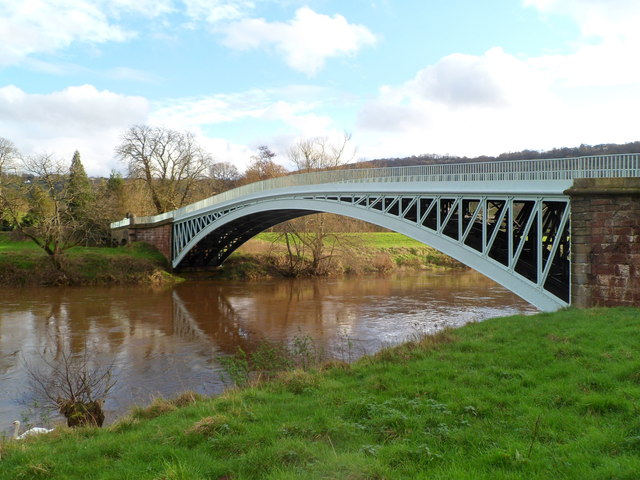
[508, 220]
[496, 235]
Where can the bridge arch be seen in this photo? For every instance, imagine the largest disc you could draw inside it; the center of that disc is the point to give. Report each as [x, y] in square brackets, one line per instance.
[408, 214]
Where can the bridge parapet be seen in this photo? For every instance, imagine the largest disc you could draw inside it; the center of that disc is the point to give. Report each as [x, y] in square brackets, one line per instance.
[540, 171]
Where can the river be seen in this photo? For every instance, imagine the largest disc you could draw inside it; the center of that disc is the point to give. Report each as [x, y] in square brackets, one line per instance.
[165, 341]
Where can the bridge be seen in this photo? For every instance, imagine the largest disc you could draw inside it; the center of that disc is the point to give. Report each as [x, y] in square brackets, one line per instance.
[555, 232]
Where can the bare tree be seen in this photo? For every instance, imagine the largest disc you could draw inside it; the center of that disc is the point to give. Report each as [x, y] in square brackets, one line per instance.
[318, 153]
[74, 385]
[225, 176]
[310, 241]
[169, 162]
[8, 156]
[310, 245]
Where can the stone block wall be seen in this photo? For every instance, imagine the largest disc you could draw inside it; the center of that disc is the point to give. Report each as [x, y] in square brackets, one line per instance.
[157, 235]
[605, 242]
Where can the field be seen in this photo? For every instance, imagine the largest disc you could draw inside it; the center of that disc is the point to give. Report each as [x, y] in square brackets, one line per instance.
[524, 397]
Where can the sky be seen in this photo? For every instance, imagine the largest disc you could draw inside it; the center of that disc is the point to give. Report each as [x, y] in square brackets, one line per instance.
[402, 77]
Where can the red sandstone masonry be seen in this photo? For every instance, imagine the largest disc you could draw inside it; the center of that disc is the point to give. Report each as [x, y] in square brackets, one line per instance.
[158, 236]
[605, 229]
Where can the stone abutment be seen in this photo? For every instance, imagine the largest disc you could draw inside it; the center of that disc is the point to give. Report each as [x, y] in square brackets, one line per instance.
[605, 242]
[157, 234]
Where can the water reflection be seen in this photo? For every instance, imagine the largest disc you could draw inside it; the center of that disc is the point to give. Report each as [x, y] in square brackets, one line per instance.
[166, 341]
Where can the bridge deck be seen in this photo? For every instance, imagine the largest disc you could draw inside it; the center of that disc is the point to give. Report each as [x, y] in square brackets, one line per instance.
[548, 175]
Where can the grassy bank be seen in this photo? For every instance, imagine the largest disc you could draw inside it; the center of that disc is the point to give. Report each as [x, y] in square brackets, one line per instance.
[22, 263]
[525, 397]
[353, 254]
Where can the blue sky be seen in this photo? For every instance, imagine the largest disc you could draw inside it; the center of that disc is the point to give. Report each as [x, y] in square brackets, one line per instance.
[403, 77]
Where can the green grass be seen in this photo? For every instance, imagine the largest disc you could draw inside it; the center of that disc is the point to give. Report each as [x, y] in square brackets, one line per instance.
[138, 250]
[7, 244]
[367, 239]
[24, 263]
[550, 396]
[378, 252]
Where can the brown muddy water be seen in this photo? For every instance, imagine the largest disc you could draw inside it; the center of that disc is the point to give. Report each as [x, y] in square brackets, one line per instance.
[163, 342]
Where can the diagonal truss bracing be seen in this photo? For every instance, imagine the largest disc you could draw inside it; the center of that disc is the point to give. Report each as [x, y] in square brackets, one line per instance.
[526, 236]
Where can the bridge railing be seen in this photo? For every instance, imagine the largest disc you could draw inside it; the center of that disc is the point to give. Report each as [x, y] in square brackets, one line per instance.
[600, 166]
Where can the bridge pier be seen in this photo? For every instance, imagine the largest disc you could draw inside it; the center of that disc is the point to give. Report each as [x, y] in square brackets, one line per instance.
[605, 242]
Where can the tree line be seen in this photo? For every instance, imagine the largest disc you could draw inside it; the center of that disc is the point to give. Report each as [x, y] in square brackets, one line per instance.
[563, 152]
[57, 205]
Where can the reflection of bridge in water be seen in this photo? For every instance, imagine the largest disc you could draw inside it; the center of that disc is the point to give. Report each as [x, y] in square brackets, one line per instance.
[225, 318]
[223, 328]
[509, 220]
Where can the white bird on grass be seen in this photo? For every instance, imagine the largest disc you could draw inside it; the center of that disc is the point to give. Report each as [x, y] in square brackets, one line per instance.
[28, 433]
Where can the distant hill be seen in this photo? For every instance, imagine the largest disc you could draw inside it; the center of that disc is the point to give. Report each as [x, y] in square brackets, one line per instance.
[430, 159]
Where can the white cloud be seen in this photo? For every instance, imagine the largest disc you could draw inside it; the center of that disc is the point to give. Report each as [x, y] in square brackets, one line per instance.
[491, 131]
[605, 55]
[384, 115]
[30, 28]
[609, 64]
[606, 19]
[214, 11]
[493, 103]
[299, 117]
[45, 26]
[497, 102]
[192, 113]
[225, 151]
[495, 78]
[92, 121]
[493, 81]
[305, 42]
[76, 118]
[147, 8]
[278, 117]
[289, 106]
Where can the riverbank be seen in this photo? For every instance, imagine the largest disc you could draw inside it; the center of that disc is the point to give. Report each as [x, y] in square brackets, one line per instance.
[22, 263]
[265, 256]
[537, 397]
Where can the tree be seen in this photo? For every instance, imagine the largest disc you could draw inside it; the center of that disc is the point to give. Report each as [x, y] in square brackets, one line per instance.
[310, 240]
[8, 156]
[262, 166]
[225, 176]
[39, 205]
[169, 162]
[84, 207]
[74, 385]
[319, 153]
[79, 188]
[112, 196]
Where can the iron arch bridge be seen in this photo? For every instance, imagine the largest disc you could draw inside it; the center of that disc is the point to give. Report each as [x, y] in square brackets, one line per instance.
[508, 220]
